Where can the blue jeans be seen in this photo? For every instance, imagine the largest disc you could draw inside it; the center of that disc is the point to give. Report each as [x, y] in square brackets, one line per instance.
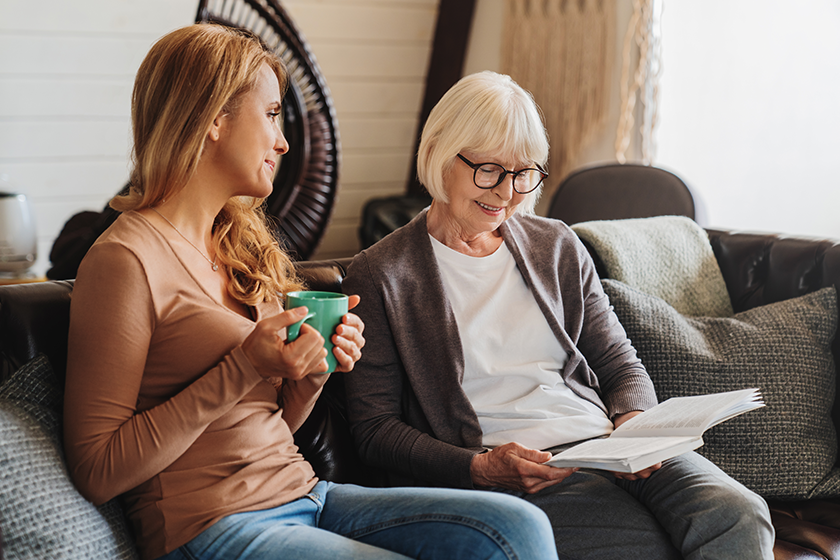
[351, 522]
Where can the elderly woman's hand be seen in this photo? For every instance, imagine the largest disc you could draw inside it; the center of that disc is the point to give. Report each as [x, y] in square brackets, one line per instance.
[348, 339]
[619, 420]
[516, 467]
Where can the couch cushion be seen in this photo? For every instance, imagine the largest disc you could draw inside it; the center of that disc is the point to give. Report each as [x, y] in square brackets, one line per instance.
[666, 256]
[42, 515]
[786, 450]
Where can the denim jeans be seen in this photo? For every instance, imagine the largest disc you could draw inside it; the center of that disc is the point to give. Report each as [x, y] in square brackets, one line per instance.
[351, 522]
[689, 509]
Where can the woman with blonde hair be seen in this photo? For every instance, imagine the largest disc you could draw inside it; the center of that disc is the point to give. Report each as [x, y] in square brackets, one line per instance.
[182, 395]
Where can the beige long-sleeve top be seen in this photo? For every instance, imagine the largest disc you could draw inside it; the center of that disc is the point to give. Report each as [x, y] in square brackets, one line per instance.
[161, 404]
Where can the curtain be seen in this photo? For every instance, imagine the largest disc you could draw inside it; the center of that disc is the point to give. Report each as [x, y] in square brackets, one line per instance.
[639, 81]
[562, 52]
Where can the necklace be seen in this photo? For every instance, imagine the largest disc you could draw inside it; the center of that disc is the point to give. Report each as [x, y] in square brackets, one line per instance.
[212, 263]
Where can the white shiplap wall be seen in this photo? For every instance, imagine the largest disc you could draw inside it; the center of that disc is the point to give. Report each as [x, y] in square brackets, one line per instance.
[66, 70]
[374, 55]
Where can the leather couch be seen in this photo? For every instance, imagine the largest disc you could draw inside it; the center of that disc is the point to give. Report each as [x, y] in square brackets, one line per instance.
[758, 269]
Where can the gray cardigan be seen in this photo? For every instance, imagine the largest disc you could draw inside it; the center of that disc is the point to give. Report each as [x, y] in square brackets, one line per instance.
[406, 406]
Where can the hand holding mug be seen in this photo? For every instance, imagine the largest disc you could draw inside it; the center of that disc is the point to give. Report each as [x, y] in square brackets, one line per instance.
[272, 356]
[348, 340]
[327, 313]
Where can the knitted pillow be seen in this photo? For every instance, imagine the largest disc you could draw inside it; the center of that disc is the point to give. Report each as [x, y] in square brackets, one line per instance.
[42, 515]
[785, 450]
[665, 256]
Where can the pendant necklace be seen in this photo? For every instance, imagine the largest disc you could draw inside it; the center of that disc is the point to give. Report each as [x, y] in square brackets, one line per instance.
[212, 263]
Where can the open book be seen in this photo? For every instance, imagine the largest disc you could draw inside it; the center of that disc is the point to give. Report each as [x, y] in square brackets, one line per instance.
[669, 429]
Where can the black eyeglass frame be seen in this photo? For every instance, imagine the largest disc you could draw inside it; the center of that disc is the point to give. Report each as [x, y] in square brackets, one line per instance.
[504, 173]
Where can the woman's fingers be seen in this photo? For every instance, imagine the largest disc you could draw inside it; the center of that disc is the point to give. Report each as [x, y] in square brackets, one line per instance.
[313, 354]
[272, 356]
[348, 341]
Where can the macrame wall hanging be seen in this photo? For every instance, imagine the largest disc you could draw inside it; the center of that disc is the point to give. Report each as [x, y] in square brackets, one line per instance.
[562, 51]
[640, 69]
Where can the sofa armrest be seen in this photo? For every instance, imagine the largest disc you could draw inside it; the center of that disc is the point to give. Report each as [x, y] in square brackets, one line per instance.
[764, 268]
[34, 318]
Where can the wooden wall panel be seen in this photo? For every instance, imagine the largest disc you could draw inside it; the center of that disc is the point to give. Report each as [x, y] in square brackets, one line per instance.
[68, 179]
[58, 55]
[354, 98]
[393, 22]
[371, 61]
[51, 142]
[378, 133]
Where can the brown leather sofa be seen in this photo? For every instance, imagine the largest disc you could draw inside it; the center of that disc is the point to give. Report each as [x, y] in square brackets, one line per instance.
[758, 269]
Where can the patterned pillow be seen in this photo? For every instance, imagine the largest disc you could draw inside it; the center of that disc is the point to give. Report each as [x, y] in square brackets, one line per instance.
[42, 515]
[785, 450]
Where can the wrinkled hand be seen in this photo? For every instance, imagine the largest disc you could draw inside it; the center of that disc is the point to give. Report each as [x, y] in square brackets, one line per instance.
[271, 356]
[348, 340]
[516, 467]
[619, 420]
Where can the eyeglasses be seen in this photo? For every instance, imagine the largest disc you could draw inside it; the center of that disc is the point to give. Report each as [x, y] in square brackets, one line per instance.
[490, 175]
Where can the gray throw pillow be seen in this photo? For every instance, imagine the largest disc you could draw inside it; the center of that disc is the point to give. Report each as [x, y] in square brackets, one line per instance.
[786, 450]
[42, 515]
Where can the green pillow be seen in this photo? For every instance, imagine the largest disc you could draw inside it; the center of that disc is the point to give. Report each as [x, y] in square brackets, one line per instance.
[786, 450]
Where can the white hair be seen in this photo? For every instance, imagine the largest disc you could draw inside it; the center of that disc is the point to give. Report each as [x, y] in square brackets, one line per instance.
[485, 113]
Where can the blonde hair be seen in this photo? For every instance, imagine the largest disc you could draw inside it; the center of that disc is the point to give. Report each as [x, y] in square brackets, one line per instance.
[484, 113]
[187, 79]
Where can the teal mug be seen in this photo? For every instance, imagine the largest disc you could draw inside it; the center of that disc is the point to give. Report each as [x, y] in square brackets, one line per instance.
[325, 312]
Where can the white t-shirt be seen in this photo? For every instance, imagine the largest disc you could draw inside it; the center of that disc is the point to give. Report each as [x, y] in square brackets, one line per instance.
[512, 360]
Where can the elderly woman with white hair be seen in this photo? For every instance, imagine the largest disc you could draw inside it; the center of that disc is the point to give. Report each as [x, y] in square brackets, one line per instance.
[491, 345]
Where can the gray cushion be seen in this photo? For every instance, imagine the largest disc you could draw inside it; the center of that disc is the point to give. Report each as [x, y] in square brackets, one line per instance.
[42, 515]
[785, 450]
[666, 256]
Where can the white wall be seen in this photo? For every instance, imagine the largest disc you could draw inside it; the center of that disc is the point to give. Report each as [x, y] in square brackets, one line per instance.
[66, 71]
[374, 54]
[750, 111]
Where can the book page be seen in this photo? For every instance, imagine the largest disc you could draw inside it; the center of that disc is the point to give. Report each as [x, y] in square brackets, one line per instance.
[607, 449]
[689, 416]
[624, 454]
